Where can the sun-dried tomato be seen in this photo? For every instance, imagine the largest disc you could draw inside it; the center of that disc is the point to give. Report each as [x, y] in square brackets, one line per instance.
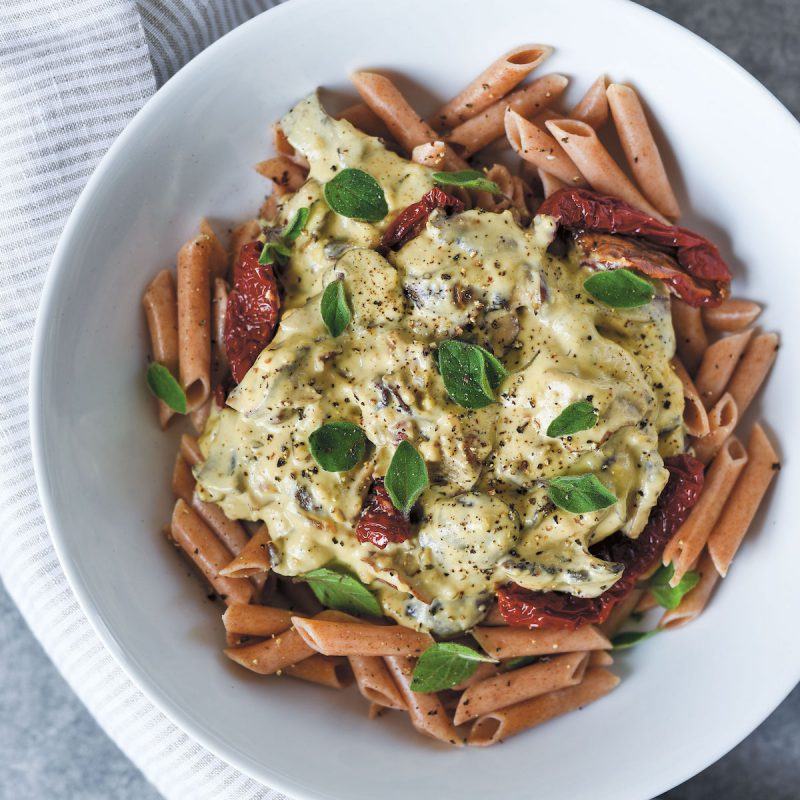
[380, 522]
[520, 606]
[411, 220]
[252, 311]
[706, 278]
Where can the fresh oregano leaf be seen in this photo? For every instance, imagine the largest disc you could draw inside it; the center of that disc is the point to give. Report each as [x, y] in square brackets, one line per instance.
[575, 417]
[520, 661]
[469, 179]
[338, 589]
[671, 596]
[623, 641]
[406, 477]
[356, 194]
[333, 307]
[619, 288]
[470, 373]
[338, 446]
[277, 249]
[295, 225]
[580, 494]
[164, 386]
[444, 665]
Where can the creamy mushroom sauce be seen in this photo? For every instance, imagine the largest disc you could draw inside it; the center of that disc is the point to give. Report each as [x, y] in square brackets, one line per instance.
[486, 518]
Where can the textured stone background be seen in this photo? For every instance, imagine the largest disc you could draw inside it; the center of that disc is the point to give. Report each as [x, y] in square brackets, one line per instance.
[51, 747]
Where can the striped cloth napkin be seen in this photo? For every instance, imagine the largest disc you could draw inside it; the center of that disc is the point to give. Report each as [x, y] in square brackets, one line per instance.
[72, 74]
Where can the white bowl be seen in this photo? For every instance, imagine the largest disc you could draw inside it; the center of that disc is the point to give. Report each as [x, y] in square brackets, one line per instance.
[103, 466]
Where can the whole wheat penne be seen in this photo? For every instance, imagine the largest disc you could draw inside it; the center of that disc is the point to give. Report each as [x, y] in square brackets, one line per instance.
[731, 315]
[722, 420]
[690, 335]
[283, 147]
[640, 148]
[269, 208]
[219, 257]
[587, 152]
[286, 176]
[599, 658]
[646, 602]
[361, 116]
[430, 154]
[300, 597]
[520, 684]
[243, 234]
[426, 712]
[405, 125]
[489, 125]
[499, 78]
[375, 682]
[324, 670]
[717, 366]
[361, 639]
[509, 642]
[694, 601]
[688, 542]
[550, 183]
[620, 613]
[695, 418]
[161, 311]
[190, 450]
[253, 558]
[538, 147]
[219, 305]
[250, 620]
[273, 654]
[207, 552]
[592, 108]
[194, 319]
[182, 479]
[200, 416]
[744, 500]
[483, 671]
[752, 369]
[505, 722]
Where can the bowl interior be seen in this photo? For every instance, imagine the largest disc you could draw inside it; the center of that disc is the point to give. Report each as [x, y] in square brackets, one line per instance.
[104, 467]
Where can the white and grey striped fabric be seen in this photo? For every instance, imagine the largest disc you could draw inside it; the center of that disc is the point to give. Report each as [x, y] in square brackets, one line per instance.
[72, 74]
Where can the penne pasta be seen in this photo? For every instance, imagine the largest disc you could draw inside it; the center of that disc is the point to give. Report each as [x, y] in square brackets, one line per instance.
[640, 148]
[646, 602]
[520, 684]
[510, 642]
[752, 369]
[426, 711]
[323, 670]
[286, 176]
[499, 78]
[375, 682]
[283, 147]
[587, 152]
[361, 116]
[745, 498]
[207, 552]
[361, 639]
[269, 208]
[550, 183]
[405, 125]
[194, 320]
[592, 108]
[300, 597]
[620, 613]
[243, 234]
[539, 148]
[686, 545]
[219, 305]
[489, 125]
[272, 655]
[717, 366]
[690, 335]
[483, 671]
[253, 559]
[161, 311]
[722, 420]
[694, 601]
[218, 265]
[250, 620]
[200, 416]
[731, 315]
[599, 658]
[695, 418]
[430, 154]
[505, 722]
[190, 450]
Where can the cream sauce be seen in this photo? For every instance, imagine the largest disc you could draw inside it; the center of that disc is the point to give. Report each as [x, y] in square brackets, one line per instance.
[486, 518]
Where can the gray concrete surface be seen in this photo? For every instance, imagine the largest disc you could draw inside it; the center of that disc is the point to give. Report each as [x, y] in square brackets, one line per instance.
[51, 748]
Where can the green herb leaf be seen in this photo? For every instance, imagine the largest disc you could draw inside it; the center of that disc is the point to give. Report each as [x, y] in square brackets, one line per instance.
[470, 373]
[469, 179]
[520, 661]
[580, 494]
[164, 386]
[444, 665]
[406, 477]
[671, 596]
[338, 446]
[356, 194]
[623, 641]
[295, 225]
[335, 312]
[274, 252]
[337, 589]
[619, 288]
[576, 417]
